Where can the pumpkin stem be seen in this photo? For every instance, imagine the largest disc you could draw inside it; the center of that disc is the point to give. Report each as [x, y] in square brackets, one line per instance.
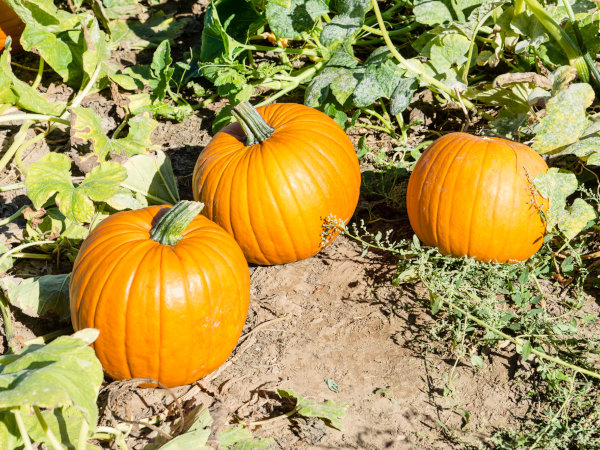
[253, 124]
[168, 229]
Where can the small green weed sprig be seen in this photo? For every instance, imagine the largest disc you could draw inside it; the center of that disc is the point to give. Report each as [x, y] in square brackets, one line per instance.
[481, 306]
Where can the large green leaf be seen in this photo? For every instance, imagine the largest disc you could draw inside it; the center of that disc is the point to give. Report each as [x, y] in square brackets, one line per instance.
[62, 378]
[565, 119]
[345, 24]
[217, 40]
[141, 34]
[72, 44]
[65, 372]
[298, 18]
[150, 180]
[38, 296]
[15, 92]
[52, 174]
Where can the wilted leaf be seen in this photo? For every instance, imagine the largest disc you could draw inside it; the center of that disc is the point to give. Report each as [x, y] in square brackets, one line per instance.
[86, 126]
[298, 18]
[329, 411]
[196, 430]
[565, 118]
[39, 296]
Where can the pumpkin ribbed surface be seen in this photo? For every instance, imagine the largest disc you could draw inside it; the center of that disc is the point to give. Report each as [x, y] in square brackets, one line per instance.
[10, 25]
[473, 196]
[172, 313]
[275, 196]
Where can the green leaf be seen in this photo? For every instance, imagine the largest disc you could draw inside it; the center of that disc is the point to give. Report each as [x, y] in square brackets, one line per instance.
[447, 50]
[161, 69]
[7, 264]
[240, 438]
[39, 296]
[72, 44]
[234, 435]
[575, 218]
[98, 185]
[329, 411]
[140, 34]
[434, 12]
[300, 17]
[15, 92]
[133, 78]
[217, 38]
[86, 126]
[63, 373]
[140, 103]
[565, 118]
[347, 22]
[556, 185]
[152, 178]
[51, 174]
[403, 95]
[116, 9]
[195, 440]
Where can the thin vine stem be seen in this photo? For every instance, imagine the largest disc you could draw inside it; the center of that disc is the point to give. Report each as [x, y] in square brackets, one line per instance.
[518, 342]
[13, 216]
[34, 117]
[410, 67]
[273, 419]
[22, 429]
[9, 333]
[14, 147]
[18, 248]
[49, 434]
[40, 74]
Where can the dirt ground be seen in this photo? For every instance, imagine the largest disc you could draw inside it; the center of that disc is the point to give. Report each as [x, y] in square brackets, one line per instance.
[335, 316]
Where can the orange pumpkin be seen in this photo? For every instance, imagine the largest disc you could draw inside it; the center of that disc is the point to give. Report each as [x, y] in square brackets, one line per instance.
[168, 290]
[272, 179]
[473, 196]
[10, 25]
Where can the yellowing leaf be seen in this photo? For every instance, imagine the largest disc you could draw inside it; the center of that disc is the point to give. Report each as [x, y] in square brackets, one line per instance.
[86, 126]
[565, 118]
[574, 218]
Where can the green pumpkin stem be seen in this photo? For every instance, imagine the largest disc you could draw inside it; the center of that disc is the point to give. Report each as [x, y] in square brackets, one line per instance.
[253, 124]
[168, 229]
